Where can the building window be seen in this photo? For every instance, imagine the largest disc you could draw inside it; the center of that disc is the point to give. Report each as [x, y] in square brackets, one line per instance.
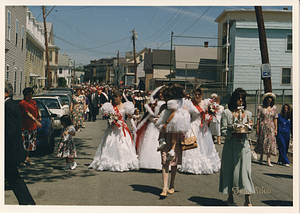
[26, 51]
[69, 72]
[21, 73]
[60, 70]
[286, 74]
[50, 56]
[8, 25]
[56, 57]
[22, 37]
[15, 81]
[7, 72]
[289, 42]
[141, 58]
[17, 29]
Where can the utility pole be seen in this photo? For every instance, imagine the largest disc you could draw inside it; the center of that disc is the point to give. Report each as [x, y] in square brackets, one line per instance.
[118, 68]
[263, 46]
[47, 51]
[134, 59]
[171, 56]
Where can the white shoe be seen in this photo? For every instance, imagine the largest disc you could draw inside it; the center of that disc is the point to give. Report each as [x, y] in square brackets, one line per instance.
[162, 143]
[171, 155]
[73, 165]
[66, 167]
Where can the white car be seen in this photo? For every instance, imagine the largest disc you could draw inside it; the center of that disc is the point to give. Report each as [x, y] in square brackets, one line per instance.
[55, 105]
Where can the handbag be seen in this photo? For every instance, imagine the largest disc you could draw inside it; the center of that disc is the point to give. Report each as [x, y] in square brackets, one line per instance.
[189, 142]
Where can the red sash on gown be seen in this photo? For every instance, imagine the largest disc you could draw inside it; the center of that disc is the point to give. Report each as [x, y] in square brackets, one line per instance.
[124, 125]
[141, 131]
[202, 113]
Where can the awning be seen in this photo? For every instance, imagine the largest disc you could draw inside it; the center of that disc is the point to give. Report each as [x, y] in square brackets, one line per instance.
[34, 75]
[41, 78]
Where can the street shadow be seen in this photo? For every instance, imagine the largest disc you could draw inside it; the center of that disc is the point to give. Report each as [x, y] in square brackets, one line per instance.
[207, 201]
[278, 203]
[279, 175]
[48, 167]
[151, 171]
[146, 189]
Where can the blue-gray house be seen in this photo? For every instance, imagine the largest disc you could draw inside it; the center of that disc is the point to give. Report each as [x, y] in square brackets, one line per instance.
[240, 55]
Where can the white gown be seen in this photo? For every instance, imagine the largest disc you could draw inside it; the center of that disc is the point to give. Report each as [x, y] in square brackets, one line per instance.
[116, 151]
[147, 151]
[215, 124]
[204, 159]
[180, 123]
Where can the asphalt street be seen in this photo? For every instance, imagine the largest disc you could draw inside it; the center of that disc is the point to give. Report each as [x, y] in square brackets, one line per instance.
[50, 185]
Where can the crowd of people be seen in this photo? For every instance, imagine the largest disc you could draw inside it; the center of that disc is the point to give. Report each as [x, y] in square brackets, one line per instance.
[161, 121]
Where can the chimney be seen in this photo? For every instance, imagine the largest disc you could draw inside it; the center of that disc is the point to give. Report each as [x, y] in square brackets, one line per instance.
[206, 44]
[285, 8]
[149, 50]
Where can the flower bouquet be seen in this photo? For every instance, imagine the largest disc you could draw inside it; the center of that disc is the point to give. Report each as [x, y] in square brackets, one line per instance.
[238, 125]
[212, 109]
[112, 117]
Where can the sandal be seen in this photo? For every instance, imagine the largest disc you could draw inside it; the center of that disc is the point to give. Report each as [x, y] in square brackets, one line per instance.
[164, 193]
[171, 191]
[249, 205]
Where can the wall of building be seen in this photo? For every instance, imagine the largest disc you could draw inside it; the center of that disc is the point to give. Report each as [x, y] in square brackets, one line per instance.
[15, 56]
[247, 56]
[34, 63]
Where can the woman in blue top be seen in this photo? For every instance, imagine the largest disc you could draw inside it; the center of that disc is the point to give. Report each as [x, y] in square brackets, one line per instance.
[283, 133]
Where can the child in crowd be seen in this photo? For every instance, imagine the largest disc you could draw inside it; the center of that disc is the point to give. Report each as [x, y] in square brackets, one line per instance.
[136, 116]
[175, 119]
[66, 147]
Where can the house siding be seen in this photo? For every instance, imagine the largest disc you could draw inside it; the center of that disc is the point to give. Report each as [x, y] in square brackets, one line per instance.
[15, 56]
[246, 56]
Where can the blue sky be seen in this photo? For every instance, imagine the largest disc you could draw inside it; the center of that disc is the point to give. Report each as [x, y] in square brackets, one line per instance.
[93, 32]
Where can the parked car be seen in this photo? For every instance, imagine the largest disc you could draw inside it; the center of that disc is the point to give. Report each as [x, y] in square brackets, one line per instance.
[56, 106]
[45, 134]
[62, 89]
[65, 97]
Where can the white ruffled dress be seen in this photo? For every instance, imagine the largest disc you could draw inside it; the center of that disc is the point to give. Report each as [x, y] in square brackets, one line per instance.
[147, 151]
[116, 151]
[204, 159]
[181, 120]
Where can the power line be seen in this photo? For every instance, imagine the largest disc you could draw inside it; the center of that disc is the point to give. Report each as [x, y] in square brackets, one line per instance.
[72, 9]
[201, 37]
[190, 25]
[150, 21]
[195, 21]
[170, 25]
[164, 25]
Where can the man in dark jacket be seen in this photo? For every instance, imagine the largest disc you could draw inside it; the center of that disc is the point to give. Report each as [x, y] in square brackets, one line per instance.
[94, 104]
[14, 150]
[104, 96]
[89, 96]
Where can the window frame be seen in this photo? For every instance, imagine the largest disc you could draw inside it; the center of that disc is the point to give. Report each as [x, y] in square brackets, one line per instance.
[8, 25]
[15, 81]
[17, 31]
[7, 72]
[287, 43]
[22, 44]
[21, 74]
[281, 76]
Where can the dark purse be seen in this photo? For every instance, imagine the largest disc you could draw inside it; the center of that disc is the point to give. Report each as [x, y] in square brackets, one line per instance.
[189, 142]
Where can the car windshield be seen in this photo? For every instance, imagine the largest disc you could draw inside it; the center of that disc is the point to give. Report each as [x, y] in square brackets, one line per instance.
[51, 103]
[42, 110]
[64, 99]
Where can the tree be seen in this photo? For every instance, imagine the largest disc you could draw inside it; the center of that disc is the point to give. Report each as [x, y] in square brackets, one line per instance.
[61, 82]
